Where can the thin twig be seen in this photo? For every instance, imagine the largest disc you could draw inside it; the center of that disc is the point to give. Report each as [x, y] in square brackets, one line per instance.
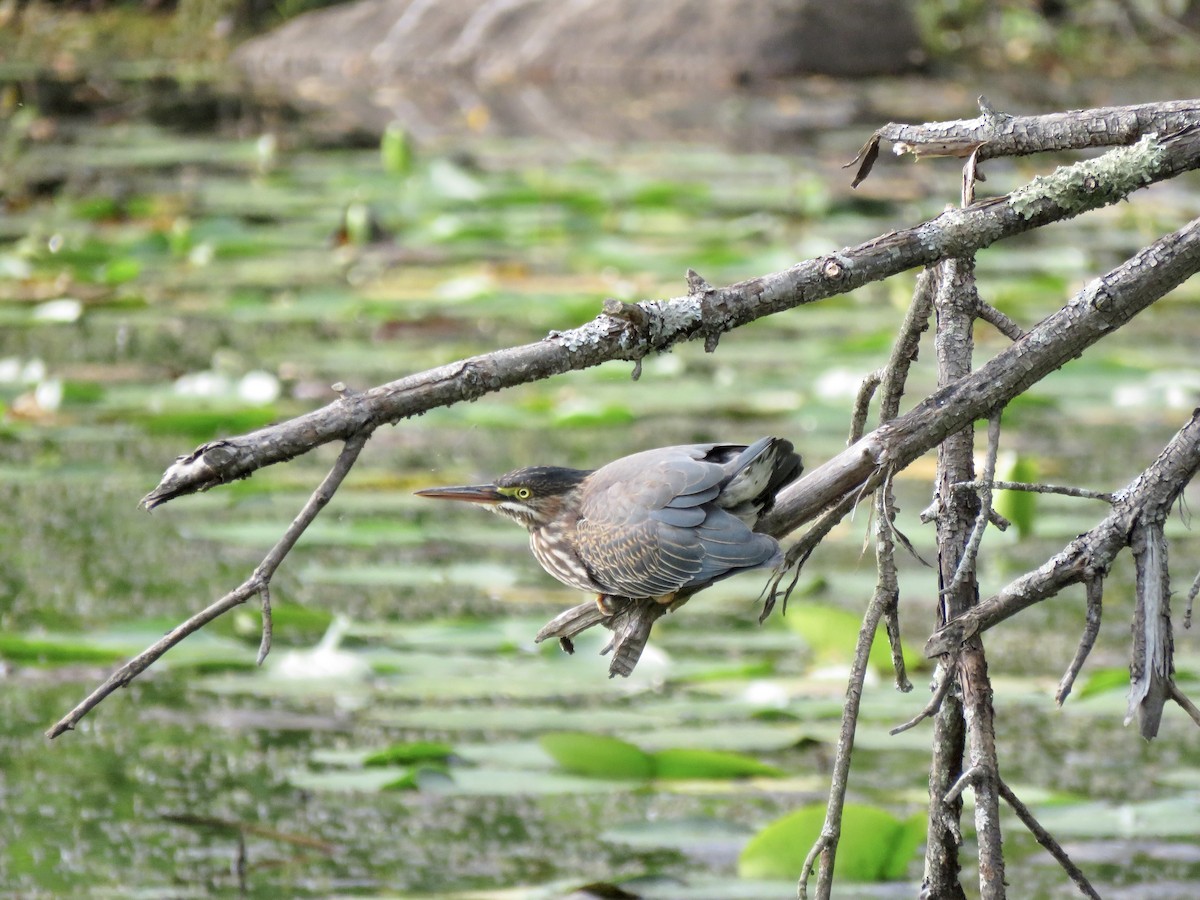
[810, 861]
[268, 625]
[797, 554]
[887, 580]
[888, 511]
[1184, 701]
[998, 320]
[907, 346]
[1043, 837]
[966, 563]
[1191, 599]
[243, 592]
[998, 521]
[943, 685]
[1091, 629]
[967, 779]
[839, 782]
[1066, 491]
[891, 621]
[862, 405]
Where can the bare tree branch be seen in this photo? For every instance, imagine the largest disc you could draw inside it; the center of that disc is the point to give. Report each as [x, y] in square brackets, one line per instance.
[1174, 692]
[840, 779]
[958, 515]
[1047, 840]
[268, 625]
[1090, 554]
[1094, 583]
[257, 583]
[1064, 490]
[966, 565]
[944, 680]
[994, 134]
[653, 326]
[944, 837]
[999, 321]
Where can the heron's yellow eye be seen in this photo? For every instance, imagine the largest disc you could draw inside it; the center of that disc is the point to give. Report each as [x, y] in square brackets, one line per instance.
[523, 493]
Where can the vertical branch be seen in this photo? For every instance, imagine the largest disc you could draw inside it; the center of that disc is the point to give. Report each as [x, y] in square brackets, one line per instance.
[826, 847]
[944, 834]
[886, 593]
[957, 512]
[954, 512]
[981, 738]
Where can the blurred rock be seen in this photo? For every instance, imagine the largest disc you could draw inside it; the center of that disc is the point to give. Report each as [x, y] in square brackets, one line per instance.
[574, 68]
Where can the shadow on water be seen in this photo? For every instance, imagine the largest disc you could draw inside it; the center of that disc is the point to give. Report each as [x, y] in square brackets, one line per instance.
[164, 285]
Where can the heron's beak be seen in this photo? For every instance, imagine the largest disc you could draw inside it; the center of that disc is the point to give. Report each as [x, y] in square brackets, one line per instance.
[471, 493]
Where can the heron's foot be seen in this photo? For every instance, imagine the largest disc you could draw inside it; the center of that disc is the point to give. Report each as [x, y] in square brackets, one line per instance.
[609, 605]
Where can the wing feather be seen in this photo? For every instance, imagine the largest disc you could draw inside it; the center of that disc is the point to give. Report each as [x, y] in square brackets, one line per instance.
[650, 525]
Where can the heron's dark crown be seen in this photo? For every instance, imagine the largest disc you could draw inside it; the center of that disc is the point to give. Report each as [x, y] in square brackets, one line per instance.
[544, 481]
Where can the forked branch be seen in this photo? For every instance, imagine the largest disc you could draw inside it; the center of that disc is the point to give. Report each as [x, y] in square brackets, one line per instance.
[257, 584]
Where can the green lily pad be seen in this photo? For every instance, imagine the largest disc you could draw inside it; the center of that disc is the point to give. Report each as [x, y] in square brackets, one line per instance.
[416, 752]
[832, 633]
[1102, 681]
[686, 763]
[601, 756]
[874, 846]
[1019, 507]
[598, 756]
[52, 651]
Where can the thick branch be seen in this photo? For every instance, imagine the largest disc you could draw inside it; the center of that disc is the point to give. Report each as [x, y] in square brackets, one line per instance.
[957, 511]
[655, 325]
[995, 134]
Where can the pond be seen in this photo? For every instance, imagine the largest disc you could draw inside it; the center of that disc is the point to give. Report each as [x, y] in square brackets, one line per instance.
[161, 288]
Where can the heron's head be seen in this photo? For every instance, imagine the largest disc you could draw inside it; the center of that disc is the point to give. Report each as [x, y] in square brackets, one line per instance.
[533, 496]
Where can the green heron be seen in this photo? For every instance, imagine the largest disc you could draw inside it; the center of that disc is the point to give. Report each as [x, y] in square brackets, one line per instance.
[646, 525]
